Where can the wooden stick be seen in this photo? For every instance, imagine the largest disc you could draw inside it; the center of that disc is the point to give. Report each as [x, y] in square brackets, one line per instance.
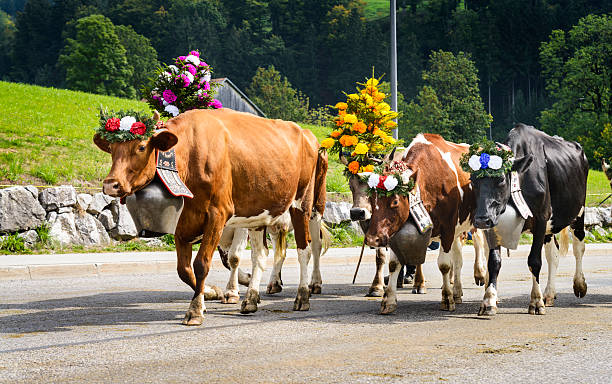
[359, 262]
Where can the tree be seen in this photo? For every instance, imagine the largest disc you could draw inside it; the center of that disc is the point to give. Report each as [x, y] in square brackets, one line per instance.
[577, 66]
[7, 35]
[449, 103]
[96, 61]
[140, 55]
[275, 96]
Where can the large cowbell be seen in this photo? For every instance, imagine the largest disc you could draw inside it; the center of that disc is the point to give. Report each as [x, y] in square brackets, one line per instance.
[156, 208]
[409, 244]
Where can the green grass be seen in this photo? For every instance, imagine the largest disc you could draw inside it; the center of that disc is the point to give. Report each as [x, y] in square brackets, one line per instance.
[598, 188]
[375, 9]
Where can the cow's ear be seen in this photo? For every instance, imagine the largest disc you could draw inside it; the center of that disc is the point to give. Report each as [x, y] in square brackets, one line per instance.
[103, 144]
[164, 140]
[521, 164]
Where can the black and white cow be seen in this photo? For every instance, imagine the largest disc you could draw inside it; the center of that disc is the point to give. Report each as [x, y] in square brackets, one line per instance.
[553, 178]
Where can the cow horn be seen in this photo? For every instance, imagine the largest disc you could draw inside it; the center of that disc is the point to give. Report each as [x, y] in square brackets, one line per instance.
[375, 160]
[156, 116]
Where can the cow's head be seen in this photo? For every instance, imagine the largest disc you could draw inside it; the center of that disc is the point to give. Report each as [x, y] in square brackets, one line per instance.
[607, 170]
[493, 194]
[133, 162]
[389, 214]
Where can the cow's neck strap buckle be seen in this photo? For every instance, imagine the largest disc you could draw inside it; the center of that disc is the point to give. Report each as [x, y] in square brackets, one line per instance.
[168, 173]
[517, 196]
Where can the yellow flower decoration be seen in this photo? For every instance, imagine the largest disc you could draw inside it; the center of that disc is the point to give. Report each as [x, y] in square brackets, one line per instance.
[327, 143]
[388, 140]
[372, 82]
[348, 141]
[353, 97]
[391, 124]
[336, 134]
[353, 167]
[361, 149]
[368, 168]
[359, 127]
[350, 118]
[341, 106]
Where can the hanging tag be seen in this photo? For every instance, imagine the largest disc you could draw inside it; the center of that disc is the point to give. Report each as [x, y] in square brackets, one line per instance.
[418, 211]
[517, 196]
[168, 173]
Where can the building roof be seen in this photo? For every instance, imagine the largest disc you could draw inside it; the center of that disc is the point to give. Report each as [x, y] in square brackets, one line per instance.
[233, 98]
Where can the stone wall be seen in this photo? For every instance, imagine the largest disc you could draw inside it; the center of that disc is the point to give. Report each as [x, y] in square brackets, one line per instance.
[94, 220]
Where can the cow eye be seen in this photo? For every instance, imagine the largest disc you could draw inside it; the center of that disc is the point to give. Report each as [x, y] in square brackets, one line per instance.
[141, 148]
[394, 203]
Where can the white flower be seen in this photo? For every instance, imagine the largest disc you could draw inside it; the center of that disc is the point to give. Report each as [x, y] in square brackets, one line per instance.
[126, 123]
[207, 77]
[495, 162]
[166, 75]
[165, 102]
[406, 176]
[474, 162]
[173, 68]
[390, 183]
[373, 180]
[189, 76]
[193, 59]
[171, 109]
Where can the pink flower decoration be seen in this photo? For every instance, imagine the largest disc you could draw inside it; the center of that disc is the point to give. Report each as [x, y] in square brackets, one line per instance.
[206, 86]
[169, 96]
[195, 53]
[215, 104]
[182, 58]
[191, 69]
[203, 64]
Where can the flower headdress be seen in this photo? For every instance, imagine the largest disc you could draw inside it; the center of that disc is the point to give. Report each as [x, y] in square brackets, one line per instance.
[183, 86]
[395, 180]
[125, 126]
[362, 128]
[487, 159]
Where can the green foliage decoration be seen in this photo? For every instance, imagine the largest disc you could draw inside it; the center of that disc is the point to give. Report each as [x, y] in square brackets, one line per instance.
[479, 160]
[377, 180]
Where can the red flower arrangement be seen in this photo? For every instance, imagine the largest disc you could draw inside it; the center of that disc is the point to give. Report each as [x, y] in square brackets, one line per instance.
[112, 124]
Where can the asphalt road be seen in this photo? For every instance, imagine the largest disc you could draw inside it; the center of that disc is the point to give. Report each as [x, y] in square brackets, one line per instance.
[126, 328]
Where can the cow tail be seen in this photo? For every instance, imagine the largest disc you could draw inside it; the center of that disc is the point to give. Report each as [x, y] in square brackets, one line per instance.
[564, 242]
[326, 237]
[320, 191]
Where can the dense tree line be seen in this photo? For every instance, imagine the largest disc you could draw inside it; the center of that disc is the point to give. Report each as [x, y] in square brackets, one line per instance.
[321, 46]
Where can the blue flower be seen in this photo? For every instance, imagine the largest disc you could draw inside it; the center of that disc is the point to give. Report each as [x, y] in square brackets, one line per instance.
[484, 160]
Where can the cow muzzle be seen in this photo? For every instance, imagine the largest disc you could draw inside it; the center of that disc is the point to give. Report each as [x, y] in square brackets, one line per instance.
[359, 214]
[377, 241]
[484, 222]
[112, 187]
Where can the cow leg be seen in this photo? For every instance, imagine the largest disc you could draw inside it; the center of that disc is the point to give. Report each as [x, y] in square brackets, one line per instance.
[279, 244]
[258, 261]
[300, 222]
[445, 264]
[201, 266]
[316, 245]
[479, 258]
[534, 260]
[419, 281]
[457, 260]
[488, 307]
[377, 289]
[552, 259]
[238, 244]
[580, 285]
[389, 302]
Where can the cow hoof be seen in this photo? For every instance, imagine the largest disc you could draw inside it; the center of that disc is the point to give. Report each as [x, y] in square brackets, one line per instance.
[274, 287]
[302, 300]
[479, 280]
[536, 310]
[387, 307]
[419, 290]
[487, 310]
[193, 319]
[549, 301]
[215, 293]
[580, 288]
[231, 298]
[249, 304]
[458, 299]
[375, 292]
[315, 289]
[447, 305]
[244, 279]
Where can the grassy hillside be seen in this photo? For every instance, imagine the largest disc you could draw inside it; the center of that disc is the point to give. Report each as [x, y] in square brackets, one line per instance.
[376, 9]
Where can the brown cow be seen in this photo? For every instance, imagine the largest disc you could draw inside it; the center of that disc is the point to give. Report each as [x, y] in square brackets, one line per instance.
[244, 171]
[448, 198]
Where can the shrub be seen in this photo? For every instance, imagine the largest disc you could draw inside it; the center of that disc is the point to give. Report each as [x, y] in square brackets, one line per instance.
[13, 243]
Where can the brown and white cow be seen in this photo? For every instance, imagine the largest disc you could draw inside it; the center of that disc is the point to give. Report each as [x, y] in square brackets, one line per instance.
[605, 167]
[433, 163]
[244, 171]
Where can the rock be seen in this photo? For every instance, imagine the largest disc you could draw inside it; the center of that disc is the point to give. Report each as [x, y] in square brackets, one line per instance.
[107, 219]
[154, 242]
[90, 230]
[30, 238]
[335, 213]
[57, 197]
[98, 203]
[63, 229]
[19, 210]
[33, 190]
[64, 209]
[597, 216]
[83, 201]
[126, 229]
[51, 216]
